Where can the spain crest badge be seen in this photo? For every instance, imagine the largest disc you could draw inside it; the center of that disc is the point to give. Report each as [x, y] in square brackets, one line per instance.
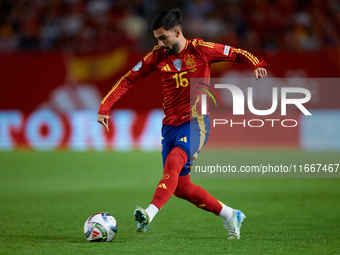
[190, 61]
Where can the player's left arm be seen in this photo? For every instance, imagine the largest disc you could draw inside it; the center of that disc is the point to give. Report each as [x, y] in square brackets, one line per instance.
[260, 72]
[215, 52]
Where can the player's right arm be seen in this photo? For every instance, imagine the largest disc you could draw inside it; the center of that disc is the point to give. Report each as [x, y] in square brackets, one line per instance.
[104, 120]
[140, 71]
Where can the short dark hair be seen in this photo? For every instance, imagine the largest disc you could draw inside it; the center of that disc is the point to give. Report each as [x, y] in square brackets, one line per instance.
[167, 18]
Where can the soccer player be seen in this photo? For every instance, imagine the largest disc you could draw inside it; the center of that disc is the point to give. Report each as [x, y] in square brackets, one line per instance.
[177, 60]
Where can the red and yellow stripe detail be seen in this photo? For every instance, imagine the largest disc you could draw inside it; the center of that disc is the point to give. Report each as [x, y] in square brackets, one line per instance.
[115, 86]
[127, 74]
[201, 124]
[248, 55]
[202, 43]
[150, 53]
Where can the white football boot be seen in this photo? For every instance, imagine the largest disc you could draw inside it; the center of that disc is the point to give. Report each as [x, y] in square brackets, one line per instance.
[234, 224]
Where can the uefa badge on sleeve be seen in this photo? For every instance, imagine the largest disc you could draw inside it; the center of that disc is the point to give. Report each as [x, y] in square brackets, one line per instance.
[138, 66]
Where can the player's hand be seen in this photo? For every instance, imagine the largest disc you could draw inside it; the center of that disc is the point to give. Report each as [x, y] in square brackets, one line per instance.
[259, 73]
[104, 120]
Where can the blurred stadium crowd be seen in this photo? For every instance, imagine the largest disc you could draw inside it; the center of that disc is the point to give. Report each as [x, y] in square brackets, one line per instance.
[97, 25]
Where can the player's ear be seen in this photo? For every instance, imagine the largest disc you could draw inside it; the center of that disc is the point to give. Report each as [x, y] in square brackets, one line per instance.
[177, 31]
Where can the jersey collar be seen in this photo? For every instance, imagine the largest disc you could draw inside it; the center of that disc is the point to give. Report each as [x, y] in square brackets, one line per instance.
[183, 51]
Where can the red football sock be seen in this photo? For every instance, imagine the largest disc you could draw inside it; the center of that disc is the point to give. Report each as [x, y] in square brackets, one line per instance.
[174, 163]
[197, 195]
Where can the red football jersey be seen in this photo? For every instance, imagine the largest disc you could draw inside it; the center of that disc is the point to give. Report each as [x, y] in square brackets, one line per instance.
[176, 71]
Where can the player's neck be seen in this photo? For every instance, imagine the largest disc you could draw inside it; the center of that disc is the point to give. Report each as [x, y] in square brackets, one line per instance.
[182, 44]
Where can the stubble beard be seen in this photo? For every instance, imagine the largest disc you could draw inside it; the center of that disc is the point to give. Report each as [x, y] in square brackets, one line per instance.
[173, 50]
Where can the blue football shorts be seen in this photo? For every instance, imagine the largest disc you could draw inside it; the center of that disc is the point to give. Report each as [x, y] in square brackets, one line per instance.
[190, 136]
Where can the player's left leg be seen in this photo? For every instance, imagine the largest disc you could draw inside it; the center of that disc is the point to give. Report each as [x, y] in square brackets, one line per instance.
[199, 133]
[198, 196]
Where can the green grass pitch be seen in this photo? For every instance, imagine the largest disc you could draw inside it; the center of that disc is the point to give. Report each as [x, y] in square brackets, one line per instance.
[47, 196]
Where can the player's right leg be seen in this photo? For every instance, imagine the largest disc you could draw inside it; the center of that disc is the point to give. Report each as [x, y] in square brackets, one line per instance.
[165, 188]
[174, 159]
[142, 218]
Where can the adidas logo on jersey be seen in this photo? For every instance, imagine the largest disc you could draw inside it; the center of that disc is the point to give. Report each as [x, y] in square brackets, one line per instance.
[184, 139]
[166, 68]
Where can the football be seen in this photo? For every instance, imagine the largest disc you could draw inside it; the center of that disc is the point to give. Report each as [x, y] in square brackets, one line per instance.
[100, 227]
